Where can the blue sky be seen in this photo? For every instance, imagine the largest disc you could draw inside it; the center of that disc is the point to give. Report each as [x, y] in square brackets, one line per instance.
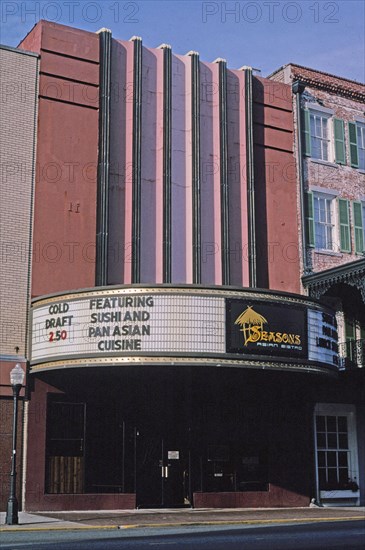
[264, 34]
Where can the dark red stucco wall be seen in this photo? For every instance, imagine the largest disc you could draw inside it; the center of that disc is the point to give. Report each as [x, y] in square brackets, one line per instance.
[67, 149]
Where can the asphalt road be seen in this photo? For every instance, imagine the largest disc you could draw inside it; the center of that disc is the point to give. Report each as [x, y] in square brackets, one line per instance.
[340, 535]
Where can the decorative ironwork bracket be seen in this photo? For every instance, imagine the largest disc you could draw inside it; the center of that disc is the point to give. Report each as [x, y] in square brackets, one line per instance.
[352, 274]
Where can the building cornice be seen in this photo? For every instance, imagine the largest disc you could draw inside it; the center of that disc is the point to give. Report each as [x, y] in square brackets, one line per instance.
[325, 81]
[18, 50]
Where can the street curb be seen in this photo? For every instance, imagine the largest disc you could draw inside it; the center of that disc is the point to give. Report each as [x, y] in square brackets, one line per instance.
[64, 528]
[181, 524]
[238, 522]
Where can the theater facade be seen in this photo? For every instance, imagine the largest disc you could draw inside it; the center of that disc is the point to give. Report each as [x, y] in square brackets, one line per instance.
[176, 395]
[174, 358]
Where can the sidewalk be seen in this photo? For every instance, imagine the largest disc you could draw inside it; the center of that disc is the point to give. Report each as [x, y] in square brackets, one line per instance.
[127, 519]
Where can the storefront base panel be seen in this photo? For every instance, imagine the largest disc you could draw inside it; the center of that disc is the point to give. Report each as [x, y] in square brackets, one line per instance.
[340, 498]
[99, 501]
[274, 497]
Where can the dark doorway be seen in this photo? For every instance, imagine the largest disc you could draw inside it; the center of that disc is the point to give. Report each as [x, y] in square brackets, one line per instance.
[65, 447]
[162, 473]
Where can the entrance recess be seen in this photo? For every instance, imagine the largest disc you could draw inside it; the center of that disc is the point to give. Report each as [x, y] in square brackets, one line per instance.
[162, 473]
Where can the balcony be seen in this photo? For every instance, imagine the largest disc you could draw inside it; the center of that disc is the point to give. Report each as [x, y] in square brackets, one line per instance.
[351, 354]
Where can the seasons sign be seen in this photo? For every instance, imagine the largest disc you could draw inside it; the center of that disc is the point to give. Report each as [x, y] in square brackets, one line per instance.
[266, 329]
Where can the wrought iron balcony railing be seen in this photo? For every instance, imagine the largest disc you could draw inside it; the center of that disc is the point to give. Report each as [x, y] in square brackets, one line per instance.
[351, 354]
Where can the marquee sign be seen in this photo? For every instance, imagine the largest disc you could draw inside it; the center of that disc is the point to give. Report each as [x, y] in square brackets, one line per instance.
[190, 325]
[266, 329]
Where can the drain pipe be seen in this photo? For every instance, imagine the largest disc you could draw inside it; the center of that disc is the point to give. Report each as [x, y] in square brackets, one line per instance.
[25, 449]
[298, 88]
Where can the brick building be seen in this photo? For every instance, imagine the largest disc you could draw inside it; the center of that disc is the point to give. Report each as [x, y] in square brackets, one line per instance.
[174, 352]
[18, 108]
[330, 148]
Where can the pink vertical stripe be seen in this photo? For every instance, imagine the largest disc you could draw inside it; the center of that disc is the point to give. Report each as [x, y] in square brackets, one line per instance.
[116, 252]
[152, 167]
[211, 243]
[121, 160]
[181, 192]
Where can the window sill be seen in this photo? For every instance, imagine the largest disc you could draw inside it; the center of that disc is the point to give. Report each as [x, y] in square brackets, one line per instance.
[329, 252]
[340, 493]
[325, 162]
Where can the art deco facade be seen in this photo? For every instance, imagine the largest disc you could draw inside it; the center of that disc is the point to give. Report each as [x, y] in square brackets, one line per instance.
[174, 351]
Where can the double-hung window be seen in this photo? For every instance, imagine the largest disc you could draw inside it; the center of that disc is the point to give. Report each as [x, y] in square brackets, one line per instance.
[325, 138]
[328, 222]
[319, 135]
[324, 135]
[318, 128]
[323, 221]
[333, 220]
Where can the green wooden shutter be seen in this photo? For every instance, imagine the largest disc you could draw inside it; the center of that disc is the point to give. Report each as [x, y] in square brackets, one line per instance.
[339, 132]
[345, 239]
[354, 157]
[310, 219]
[359, 227]
[306, 133]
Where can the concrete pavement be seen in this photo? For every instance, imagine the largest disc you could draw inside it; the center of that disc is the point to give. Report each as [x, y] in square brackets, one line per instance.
[127, 519]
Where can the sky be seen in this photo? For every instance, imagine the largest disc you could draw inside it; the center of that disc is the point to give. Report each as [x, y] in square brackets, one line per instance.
[264, 34]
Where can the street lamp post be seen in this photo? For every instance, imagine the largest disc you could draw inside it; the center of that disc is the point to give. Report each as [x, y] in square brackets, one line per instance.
[16, 380]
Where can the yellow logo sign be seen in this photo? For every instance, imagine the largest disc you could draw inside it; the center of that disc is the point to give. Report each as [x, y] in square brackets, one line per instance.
[252, 326]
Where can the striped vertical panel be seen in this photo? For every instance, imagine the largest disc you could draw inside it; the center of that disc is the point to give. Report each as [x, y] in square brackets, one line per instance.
[250, 179]
[211, 214]
[136, 168]
[103, 161]
[236, 179]
[167, 106]
[181, 176]
[122, 117]
[196, 188]
[152, 167]
[223, 171]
